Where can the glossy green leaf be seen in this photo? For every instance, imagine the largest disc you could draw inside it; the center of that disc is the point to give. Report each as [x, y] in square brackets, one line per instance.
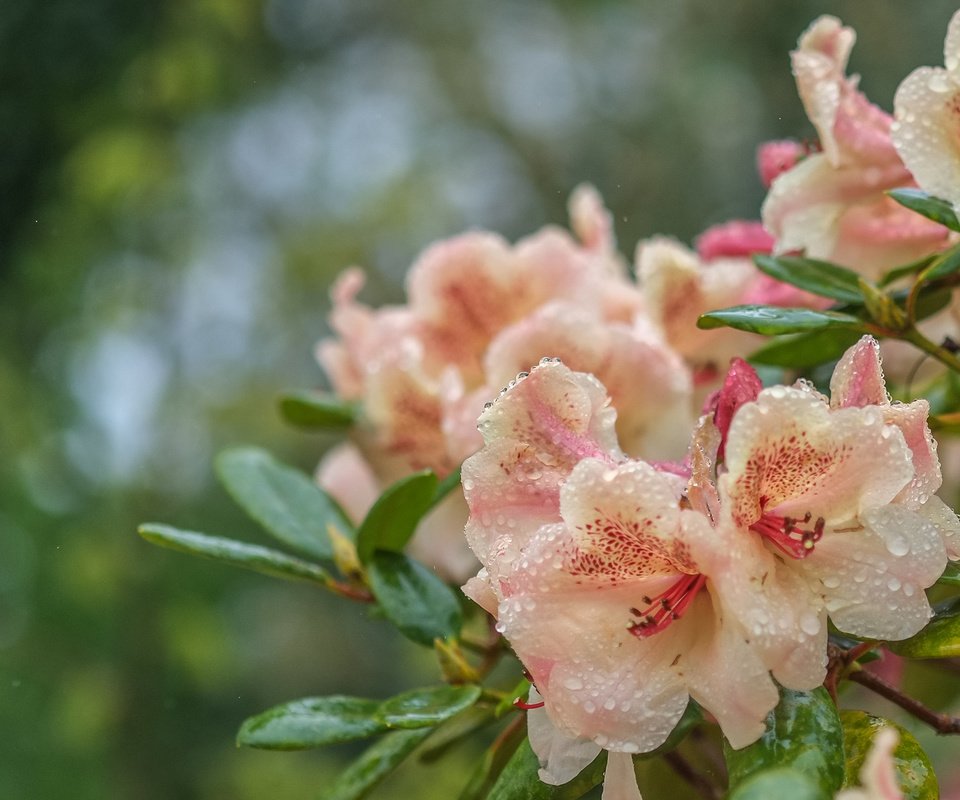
[317, 411]
[939, 639]
[803, 350]
[930, 302]
[236, 554]
[286, 502]
[929, 206]
[494, 760]
[422, 708]
[818, 277]
[804, 734]
[449, 484]
[312, 722]
[395, 515]
[951, 575]
[772, 320]
[455, 731]
[378, 761]
[912, 766]
[519, 779]
[780, 783]
[413, 598]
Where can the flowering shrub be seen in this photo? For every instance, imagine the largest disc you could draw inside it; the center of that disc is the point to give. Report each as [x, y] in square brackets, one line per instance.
[678, 548]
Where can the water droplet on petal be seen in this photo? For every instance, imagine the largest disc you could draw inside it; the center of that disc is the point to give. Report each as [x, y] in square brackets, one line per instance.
[810, 623]
[898, 545]
[573, 683]
[893, 584]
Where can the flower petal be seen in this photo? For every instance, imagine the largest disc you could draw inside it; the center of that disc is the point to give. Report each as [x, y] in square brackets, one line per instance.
[789, 454]
[620, 780]
[947, 523]
[858, 377]
[562, 755]
[346, 475]
[872, 577]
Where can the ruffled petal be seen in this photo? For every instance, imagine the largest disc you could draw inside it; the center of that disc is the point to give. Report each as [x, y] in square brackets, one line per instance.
[346, 475]
[789, 454]
[858, 377]
[562, 755]
[872, 575]
[535, 433]
[651, 424]
[946, 521]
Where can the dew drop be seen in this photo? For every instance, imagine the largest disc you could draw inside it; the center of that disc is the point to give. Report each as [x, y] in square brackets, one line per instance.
[809, 623]
[938, 83]
[589, 706]
[893, 584]
[573, 683]
[898, 545]
[831, 581]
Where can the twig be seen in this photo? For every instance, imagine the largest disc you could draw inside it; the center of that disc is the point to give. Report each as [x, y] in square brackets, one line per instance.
[941, 723]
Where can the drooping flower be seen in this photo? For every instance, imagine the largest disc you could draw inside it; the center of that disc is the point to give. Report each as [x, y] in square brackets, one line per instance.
[927, 110]
[478, 311]
[877, 775]
[840, 493]
[832, 204]
[611, 584]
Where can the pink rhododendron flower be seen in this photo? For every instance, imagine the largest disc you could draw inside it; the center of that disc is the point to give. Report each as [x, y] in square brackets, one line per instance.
[832, 204]
[877, 775]
[478, 311]
[612, 585]
[679, 285]
[840, 494]
[927, 108]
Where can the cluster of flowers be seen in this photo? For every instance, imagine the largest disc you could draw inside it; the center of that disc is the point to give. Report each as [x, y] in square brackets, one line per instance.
[630, 565]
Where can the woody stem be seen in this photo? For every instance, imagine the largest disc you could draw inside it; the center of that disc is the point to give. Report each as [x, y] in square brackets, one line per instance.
[941, 723]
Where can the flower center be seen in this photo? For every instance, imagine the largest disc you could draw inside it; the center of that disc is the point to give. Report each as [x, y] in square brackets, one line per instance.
[658, 612]
[788, 536]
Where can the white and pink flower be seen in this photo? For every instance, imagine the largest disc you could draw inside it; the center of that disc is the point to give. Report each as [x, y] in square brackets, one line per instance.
[609, 583]
[832, 204]
[927, 109]
[479, 310]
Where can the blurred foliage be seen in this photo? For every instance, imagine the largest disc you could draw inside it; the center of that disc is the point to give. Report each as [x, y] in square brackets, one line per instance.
[179, 184]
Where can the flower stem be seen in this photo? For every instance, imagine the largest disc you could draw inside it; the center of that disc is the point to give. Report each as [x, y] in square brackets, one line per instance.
[938, 352]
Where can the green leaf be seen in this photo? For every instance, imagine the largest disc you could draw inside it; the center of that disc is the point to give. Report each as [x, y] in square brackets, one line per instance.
[951, 575]
[317, 411]
[930, 302]
[285, 501]
[929, 206]
[422, 708]
[491, 765]
[804, 734]
[782, 783]
[912, 766]
[312, 722]
[447, 485]
[456, 731]
[944, 265]
[907, 269]
[772, 320]
[395, 515]
[804, 350]
[378, 761]
[818, 277]
[519, 779]
[236, 554]
[422, 606]
[939, 639]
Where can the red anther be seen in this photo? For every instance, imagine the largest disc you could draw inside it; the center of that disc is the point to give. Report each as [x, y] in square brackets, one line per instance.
[520, 703]
[667, 606]
[788, 537]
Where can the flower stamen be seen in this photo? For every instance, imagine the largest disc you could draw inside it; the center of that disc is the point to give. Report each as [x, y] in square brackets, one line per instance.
[666, 607]
[787, 535]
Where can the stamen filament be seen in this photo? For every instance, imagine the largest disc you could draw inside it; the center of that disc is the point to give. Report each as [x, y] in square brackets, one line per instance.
[788, 536]
[667, 606]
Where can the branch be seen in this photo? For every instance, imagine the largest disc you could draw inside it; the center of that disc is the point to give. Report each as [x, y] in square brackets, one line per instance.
[941, 723]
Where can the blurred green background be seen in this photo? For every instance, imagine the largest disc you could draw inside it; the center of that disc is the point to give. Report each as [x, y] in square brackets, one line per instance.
[179, 183]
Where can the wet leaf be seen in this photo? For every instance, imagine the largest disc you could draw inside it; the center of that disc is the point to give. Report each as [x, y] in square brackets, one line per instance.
[285, 501]
[782, 783]
[427, 707]
[519, 779]
[236, 554]
[943, 266]
[422, 606]
[312, 722]
[929, 206]
[803, 350]
[951, 575]
[912, 766]
[395, 515]
[819, 277]
[772, 320]
[317, 411]
[803, 734]
[939, 639]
